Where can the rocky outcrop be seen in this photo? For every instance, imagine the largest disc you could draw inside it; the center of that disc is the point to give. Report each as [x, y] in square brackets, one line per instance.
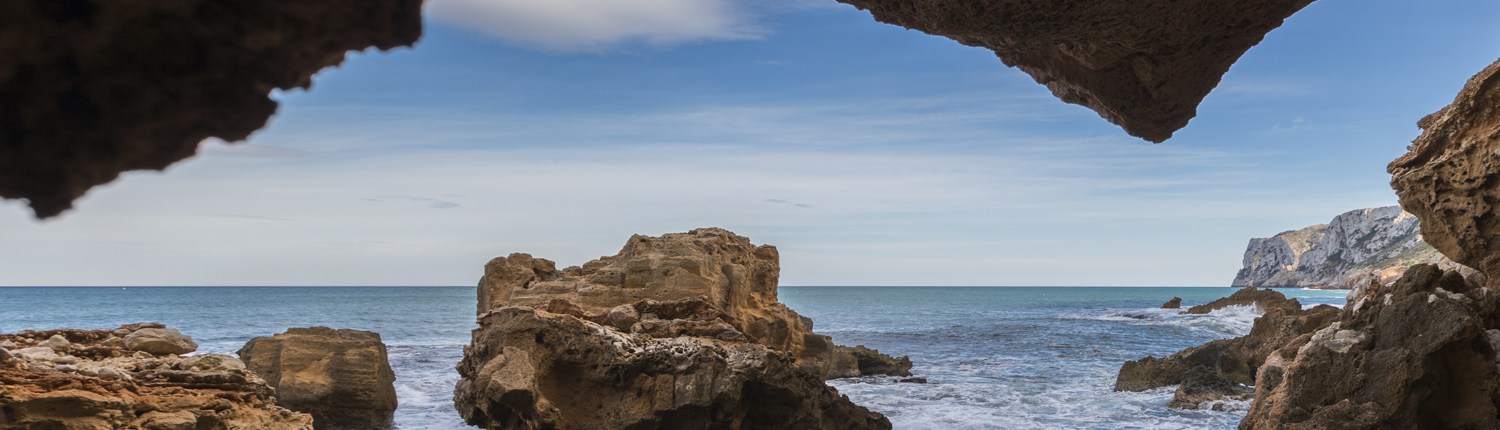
[1201, 385]
[1236, 360]
[85, 379]
[1357, 247]
[530, 368]
[1261, 299]
[735, 275]
[160, 341]
[342, 377]
[1144, 65]
[1447, 179]
[1417, 354]
[1175, 303]
[680, 331]
[92, 88]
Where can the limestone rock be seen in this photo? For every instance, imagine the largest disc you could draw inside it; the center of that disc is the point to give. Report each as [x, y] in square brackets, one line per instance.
[1175, 303]
[1237, 360]
[93, 88]
[342, 377]
[1447, 178]
[1144, 65]
[1262, 299]
[1201, 385]
[160, 341]
[528, 368]
[110, 387]
[1357, 247]
[735, 275]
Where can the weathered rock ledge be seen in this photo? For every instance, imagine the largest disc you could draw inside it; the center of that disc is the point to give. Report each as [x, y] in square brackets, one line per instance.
[680, 331]
[342, 377]
[88, 379]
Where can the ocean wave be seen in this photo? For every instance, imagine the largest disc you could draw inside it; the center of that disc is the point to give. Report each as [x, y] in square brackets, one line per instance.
[1231, 321]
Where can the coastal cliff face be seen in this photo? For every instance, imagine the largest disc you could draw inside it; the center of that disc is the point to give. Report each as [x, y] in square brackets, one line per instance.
[89, 379]
[1357, 247]
[1143, 65]
[678, 331]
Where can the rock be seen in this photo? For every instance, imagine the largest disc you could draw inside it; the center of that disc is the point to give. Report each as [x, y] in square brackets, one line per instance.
[56, 342]
[1144, 65]
[105, 387]
[8, 345]
[1201, 385]
[66, 359]
[90, 89]
[530, 368]
[1357, 247]
[872, 362]
[738, 277]
[1418, 355]
[342, 377]
[913, 380]
[160, 341]
[1237, 360]
[5, 357]
[1175, 303]
[1446, 177]
[1250, 296]
[623, 317]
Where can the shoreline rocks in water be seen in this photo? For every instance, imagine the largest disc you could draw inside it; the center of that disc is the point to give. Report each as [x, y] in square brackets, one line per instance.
[342, 377]
[678, 331]
[87, 379]
[1202, 385]
[1262, 299]
[1175, 303]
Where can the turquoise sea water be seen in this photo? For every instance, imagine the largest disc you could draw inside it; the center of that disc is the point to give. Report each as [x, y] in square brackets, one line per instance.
[995, 357]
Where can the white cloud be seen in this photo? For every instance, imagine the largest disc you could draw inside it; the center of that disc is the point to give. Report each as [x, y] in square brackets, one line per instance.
[594, 25]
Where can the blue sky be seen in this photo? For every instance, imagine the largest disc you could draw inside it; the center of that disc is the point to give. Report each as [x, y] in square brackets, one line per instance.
[869, 154]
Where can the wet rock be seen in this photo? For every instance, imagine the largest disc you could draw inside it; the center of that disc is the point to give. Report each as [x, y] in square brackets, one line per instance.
[1175, 303]
[108, 387]
[1237, 359]
[913, 380]
[160, 341]
[90, 89]
[342, 377]
[530, 368]
[1144, 65]
[1262, 299]
[738, 278]
[1202, 385]
[872, 362]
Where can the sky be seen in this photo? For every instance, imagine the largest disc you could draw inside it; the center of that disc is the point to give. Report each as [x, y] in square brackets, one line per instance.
[867, 153]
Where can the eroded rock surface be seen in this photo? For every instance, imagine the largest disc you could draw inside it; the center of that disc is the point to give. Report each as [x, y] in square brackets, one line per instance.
[680, 331]
[92, 88]
[735, 275]
[93, 382]
[1262, 299]
[1448, 179]
[342, 377]
[1201, 385]
[1357, 247]
[1144, 65]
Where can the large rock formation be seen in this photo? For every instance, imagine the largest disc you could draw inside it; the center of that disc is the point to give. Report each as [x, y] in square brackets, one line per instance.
[1359, 246]
[1448, 179]
[1144, 65]
[85, 379]
[680, 331]
[732, 273]
[93, 88]
[342, 377]
[1262, 299]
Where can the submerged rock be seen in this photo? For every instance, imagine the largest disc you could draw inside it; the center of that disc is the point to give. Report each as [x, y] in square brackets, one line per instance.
[681, 331]
[111, 387]
[1262, 299]
[342, 377]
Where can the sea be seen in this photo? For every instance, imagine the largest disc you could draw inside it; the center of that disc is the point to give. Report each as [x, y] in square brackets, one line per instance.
[993, 357]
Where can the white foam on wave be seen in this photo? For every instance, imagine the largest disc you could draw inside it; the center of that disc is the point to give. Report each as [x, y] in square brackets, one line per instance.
[1231, 321]
[424, 386]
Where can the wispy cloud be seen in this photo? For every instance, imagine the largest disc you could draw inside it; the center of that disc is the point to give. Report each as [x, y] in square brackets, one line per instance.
[598, 25]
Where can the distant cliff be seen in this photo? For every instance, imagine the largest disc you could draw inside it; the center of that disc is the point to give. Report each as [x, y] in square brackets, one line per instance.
[1357, 246]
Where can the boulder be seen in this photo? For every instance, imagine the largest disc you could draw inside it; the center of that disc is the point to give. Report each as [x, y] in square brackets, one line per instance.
[1143, 65]
[160, 341]
[1175, 303]
[529, 368]
[1262, 299]
[342, 377]
[107, 387]
[1202, 385]
[735, 275]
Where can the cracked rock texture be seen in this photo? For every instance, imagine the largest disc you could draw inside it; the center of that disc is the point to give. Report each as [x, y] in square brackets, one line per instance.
[93, 88]
[1357, 247]
[1450, 179]
[342, 377]
[1144, 65]
[735, 275]
[86, 379]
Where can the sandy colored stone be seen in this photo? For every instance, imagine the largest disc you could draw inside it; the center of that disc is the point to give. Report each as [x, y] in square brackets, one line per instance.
[160, 341]
[342, 377]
